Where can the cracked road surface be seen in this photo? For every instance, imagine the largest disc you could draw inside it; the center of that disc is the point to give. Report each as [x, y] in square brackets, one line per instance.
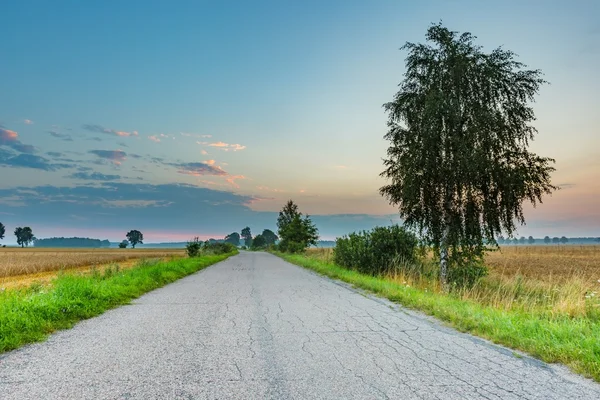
[256, 327]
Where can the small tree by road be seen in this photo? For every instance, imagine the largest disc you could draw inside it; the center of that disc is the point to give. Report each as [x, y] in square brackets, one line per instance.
[134, 237]
[24, 236]
[297, 232]
[459, 132]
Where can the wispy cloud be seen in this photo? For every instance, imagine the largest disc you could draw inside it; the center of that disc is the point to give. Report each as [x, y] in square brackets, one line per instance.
[10, 139]
[116, 156]
[200, 168]
[223, 146]
[100, 129]
[203, 152]
[195, 135]
[62, 136]
[232, 178]
[268, 189]
[154, 138]
[28, 122]
[93, 176]
[29, 161]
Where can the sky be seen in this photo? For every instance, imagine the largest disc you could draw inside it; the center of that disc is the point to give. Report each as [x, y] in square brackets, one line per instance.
[184, 118]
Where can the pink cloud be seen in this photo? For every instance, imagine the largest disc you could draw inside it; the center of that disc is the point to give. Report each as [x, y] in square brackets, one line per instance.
[6, 136]
[154, 138]
[101, 129]
[223, 146]
[232, 178]
[203, 152]
[218, 144]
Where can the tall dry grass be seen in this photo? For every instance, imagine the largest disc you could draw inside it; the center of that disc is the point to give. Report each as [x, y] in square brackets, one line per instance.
[18, 261]
[554, 280]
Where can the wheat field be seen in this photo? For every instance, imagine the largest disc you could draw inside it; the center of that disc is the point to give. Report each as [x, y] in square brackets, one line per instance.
[561, 280]
[29, 261]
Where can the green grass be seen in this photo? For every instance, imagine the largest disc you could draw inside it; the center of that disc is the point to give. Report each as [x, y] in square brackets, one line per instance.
[30, 315]
[573, 341]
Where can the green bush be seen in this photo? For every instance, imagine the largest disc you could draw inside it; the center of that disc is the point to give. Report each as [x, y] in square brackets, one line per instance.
[466, 275]
[381, 250]
[193, 247]
[287, 246]
[217, 248]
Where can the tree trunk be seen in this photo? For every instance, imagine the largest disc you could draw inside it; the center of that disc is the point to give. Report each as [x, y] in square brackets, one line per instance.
[444, 260]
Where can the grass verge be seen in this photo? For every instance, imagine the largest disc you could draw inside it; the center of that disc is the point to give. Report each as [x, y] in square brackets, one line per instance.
[30, 315]
[573, 341]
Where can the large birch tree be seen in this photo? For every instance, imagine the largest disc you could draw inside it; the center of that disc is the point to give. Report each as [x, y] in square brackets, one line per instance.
[458, 165]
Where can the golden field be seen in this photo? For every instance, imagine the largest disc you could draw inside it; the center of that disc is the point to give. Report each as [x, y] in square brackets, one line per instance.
[557, 279]
[20, 266]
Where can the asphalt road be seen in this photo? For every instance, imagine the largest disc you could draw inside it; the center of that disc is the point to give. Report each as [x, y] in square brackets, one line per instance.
[256, 327]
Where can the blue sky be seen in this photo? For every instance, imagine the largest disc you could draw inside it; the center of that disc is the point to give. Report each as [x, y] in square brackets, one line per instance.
[189, 117]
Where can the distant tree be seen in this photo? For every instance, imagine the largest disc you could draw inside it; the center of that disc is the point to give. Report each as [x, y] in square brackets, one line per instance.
[598, 240]
[247, 236]
[500, 239]
[2, 230]
[555, 240]
[522, 240]
[135, 237]
[531, 240]
[270, 236]
[459, 128]
[24, 236]
[233, 238]
[515, 241]
[564, 240]
[547, 240]
[296, 232]
[123, 244]
[259, 242]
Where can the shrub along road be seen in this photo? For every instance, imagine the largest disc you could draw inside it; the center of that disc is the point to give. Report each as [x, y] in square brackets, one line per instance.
[254, 326]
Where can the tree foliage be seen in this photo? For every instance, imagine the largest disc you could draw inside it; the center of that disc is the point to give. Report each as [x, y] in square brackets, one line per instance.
[72, 242]
[259, 242]
[123, 244]
[547, 240]
[233, 238]
[135, 237]
[24, 236]
[458, 161]
[269, 236]
[531, 240]
[297, 232]
[247, 236]
[2, 230]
